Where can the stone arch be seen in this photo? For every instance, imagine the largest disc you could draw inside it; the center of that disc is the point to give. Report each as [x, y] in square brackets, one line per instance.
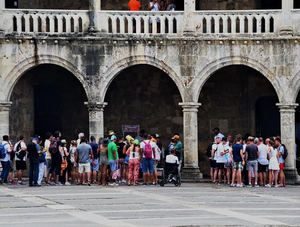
[117, 67]
[215, 65]
[11, 79]
[295, 87]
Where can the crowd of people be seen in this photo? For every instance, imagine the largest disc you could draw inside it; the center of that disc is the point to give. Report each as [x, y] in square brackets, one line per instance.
[153, 5]
[241, 162]
[108, 161]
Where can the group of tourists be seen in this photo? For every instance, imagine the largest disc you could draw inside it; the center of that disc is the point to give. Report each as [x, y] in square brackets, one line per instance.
[241, 162]
[153, 5]
[109, 161]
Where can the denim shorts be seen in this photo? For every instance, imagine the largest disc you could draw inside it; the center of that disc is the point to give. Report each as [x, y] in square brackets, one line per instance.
[147, 165]
[96, 166]
[113, 166]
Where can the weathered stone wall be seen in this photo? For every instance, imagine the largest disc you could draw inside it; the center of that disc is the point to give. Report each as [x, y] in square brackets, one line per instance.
[96, 62]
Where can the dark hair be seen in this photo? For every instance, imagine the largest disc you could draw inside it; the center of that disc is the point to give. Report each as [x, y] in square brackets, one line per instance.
[216, 129]
[56, 134]
[21, 137]
[145, 136]
[83, 140]
[5, 137]
[176, 134]
[238, 139]
[48, 135]
[272, 143]
[278, 139]
[93, 138]
[148, 137]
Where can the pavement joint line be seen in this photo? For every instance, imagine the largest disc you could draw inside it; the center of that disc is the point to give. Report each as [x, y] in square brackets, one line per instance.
[226, 212]
[73, 211]
[272, 197]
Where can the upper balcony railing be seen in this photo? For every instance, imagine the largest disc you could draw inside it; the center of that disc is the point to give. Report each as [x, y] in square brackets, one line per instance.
[145, 23]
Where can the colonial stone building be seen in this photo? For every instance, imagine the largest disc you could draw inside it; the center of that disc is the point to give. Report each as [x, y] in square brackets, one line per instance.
[232, 64]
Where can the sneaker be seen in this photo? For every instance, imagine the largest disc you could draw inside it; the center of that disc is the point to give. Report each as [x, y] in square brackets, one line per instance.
[123, 181]
[89, 183]
[239, 185]
[268, 186]
[67, 184]
[21, 183]
[249, 186]
[277, 186]
[256, 185]
[111, 184]
[58, 184]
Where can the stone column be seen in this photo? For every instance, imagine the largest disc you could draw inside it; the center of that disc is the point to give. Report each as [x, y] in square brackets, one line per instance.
[288, 137]
[189, 9]
[190, 171]
[96, 118]
[286, 28]
[94, 7]
[4, 118]
[2, 7]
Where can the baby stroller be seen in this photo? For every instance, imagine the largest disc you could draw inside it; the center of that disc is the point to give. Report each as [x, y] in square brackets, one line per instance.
[170, 175]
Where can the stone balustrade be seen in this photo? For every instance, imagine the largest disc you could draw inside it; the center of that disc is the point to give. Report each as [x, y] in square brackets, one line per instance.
[141, 22]
[170, 23]
[45, 21]
[238, 22]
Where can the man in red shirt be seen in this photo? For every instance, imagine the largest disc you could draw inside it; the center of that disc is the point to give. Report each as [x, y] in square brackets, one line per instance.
[134, 5]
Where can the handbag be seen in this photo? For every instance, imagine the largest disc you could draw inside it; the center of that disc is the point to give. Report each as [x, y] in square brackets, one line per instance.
[116, 174]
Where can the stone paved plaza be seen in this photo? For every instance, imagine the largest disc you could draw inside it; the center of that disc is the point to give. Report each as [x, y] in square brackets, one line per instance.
[189, 205]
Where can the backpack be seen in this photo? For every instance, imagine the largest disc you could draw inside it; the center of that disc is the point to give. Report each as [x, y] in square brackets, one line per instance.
[19, 152]
[208, 150]
[53, 147]
[285, 154]
[2, 151]
[148, 150]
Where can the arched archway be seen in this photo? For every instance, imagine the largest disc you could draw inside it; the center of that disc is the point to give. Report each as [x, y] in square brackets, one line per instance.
[218, 64]
[46, 98]
[13, 76]
[144, 95]
[239, 100]
[117, 67]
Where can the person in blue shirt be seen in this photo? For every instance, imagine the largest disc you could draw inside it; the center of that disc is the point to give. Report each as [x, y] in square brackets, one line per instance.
[238, 162]
[280, 153]
[5, 162]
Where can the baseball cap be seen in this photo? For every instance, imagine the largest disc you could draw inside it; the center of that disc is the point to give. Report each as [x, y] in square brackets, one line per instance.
[113, 137]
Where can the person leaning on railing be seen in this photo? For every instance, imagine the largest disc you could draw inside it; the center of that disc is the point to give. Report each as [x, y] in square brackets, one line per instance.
[134, 5]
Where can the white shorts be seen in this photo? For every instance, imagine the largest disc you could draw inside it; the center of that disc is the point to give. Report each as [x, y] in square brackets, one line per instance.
[84, 167]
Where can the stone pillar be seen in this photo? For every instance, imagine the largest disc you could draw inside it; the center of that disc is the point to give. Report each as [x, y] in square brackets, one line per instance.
[286, 28]
[2, 7]
[94, 7]
[189, 9]
[4, 118]
[190, 171]
[288, 137]
[96, 118]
